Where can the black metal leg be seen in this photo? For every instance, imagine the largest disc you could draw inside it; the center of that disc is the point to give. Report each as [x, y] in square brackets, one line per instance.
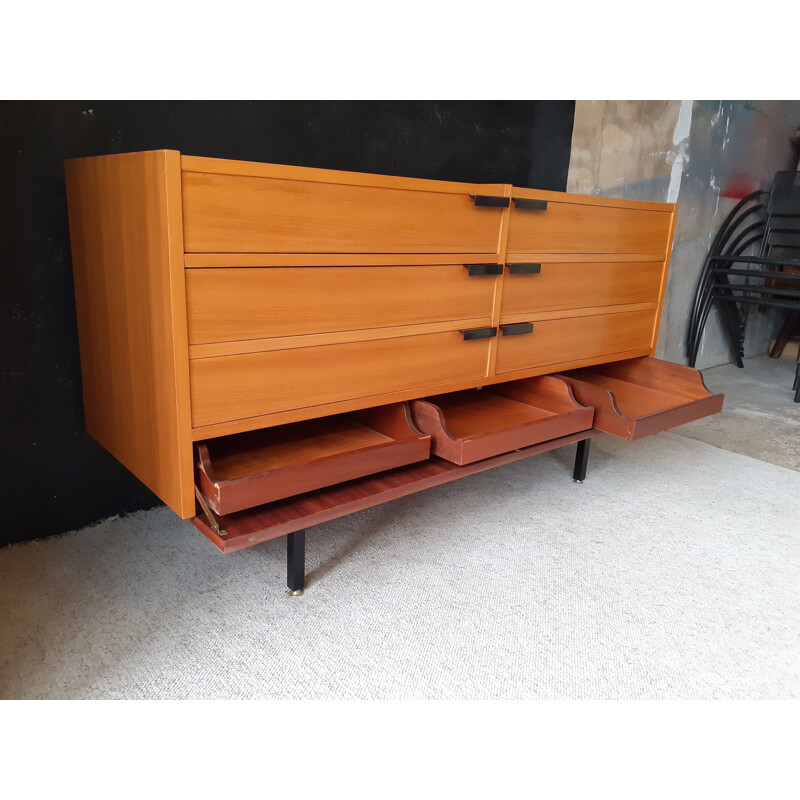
[581, 461]
[796, 386]
[296, 562]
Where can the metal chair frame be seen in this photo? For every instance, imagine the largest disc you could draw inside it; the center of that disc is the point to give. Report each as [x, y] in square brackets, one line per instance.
[744, 266]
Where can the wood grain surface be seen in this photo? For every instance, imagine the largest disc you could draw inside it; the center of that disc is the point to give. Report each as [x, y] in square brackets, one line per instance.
[343, 406]
[474, 425]
[559, 340]
[574, 285]
[579, 227]
[308, 292]
[258, 169]
[236, 387]
[639, 397]
[127, 250]
[225, 260]
[562, 313]
[238, 472]
[236, 304]
[257, 525]
[664, 276]
[339, 337]
[231, 213]
[591, 200]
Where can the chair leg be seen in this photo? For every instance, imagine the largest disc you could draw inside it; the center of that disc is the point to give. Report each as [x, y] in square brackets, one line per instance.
[296, 562]
[791, 322]
[581, 461]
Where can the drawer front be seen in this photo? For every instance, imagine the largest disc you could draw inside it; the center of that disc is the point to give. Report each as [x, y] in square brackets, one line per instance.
[238, 214]
[560, 286]
[560, 341]
[236, 387]
[578, 228]
[234, 304]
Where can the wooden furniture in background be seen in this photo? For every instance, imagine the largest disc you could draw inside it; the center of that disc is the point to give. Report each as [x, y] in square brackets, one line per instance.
[252, 334]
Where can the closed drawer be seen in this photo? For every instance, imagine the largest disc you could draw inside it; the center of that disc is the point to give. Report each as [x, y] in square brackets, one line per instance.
[239, 386]
[236, 304]
[239, 214]
[583, 228]
[559, 341]
[559, 286]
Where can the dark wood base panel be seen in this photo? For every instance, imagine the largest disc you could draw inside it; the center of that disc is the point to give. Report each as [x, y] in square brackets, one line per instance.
[247, 528]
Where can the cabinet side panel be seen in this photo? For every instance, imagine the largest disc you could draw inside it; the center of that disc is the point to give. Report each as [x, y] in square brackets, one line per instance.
[665, 274]
[125, 228]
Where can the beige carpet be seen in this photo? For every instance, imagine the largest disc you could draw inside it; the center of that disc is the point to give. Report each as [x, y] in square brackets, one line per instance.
[673, 572]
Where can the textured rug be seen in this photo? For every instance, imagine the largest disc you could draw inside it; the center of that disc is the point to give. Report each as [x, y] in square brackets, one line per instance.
[673, 572]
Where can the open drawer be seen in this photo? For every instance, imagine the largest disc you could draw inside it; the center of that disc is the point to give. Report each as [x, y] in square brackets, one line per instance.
[477, 424]
[641, 396]
[249, 469]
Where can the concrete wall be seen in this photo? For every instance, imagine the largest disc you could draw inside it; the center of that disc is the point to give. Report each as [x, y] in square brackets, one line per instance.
[704, 155]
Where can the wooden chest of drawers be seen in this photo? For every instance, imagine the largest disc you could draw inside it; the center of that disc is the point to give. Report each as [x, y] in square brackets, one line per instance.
[218, 297]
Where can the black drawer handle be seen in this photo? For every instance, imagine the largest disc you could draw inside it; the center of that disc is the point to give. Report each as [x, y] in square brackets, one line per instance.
[484, 269]
[491, 200]
[516, 330]
[527, 204]
[524, 269]
[479, 333]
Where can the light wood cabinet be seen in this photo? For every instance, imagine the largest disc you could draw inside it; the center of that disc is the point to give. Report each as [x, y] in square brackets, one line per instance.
[220, 300]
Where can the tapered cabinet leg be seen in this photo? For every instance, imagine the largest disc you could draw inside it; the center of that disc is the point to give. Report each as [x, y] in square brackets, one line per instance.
[296, 562]
[581, 461]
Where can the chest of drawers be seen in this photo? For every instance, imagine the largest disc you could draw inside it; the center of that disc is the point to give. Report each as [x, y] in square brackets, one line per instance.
[238, 320]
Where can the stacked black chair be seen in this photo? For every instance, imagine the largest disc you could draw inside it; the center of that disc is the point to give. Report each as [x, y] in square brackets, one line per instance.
[754, 260]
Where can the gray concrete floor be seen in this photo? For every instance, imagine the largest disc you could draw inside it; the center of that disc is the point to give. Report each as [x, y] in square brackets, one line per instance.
[759, 418]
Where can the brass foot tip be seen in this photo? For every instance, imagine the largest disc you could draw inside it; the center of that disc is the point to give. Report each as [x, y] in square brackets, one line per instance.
[295, 592]
[575, 480]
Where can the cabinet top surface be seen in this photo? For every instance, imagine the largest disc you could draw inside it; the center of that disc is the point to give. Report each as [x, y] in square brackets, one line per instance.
[256, 169]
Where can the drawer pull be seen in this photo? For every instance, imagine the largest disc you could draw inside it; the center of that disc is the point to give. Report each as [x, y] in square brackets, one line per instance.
[530, 205]
[524, 269]
[491, 200]
[479, 333]
[516, 330]
[476, 270]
